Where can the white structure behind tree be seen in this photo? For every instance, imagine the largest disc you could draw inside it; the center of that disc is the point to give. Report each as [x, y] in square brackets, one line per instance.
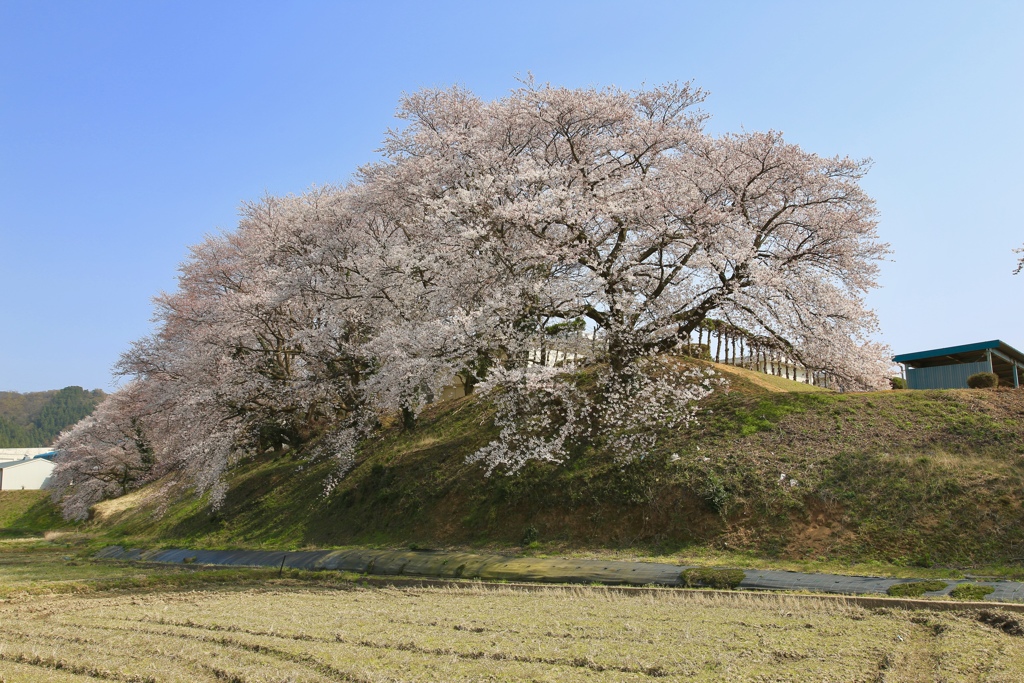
[28, 474]
[22, 453]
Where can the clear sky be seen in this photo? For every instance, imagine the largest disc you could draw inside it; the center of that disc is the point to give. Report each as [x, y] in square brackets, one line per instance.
[129, 129]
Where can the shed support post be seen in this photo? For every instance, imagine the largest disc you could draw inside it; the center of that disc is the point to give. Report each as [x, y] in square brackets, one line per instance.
[1016, 378]
[988, 357]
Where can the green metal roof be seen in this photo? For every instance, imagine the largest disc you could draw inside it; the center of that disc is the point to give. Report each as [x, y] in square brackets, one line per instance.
[996, 344]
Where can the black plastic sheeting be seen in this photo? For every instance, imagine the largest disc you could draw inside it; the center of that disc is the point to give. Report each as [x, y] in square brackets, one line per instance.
[453, 565]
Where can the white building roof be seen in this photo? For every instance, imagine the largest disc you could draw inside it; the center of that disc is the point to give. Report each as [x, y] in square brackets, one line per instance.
[23, 453]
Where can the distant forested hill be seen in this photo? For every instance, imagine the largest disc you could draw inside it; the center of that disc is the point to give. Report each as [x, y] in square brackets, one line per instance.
[36, 418]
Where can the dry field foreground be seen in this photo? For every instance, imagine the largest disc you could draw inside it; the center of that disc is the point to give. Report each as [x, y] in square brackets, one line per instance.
[315, 633]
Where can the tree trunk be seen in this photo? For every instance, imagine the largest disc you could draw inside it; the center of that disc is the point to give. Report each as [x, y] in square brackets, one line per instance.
[408, 419]
[619, 354]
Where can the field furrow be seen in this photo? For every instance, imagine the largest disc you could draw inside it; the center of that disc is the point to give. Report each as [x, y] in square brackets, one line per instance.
[313, 633]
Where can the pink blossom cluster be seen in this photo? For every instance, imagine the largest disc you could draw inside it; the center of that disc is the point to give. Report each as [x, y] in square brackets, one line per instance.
[487, 234]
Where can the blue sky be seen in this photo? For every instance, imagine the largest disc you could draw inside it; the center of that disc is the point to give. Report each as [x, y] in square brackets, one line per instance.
[130, 129]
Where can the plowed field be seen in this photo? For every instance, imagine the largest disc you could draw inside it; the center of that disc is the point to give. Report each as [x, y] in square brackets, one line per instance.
[352, 633]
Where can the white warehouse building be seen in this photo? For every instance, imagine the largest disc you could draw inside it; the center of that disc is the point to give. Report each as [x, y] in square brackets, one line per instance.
[26, 473]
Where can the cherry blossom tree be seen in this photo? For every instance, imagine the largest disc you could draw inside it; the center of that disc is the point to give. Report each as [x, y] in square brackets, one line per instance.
[615, 207]
[105, 455]
[250, 354]
[488, 234]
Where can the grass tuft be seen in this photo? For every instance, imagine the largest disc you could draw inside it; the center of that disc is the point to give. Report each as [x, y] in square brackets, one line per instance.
[708, 577]
[971, 591]
[916, 588]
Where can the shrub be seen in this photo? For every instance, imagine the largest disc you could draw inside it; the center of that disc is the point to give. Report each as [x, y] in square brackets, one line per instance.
[714, 494]
[983, 380]
[897, 383]
[530, 535]
[915, 589]
[971, 591]
[711, 578]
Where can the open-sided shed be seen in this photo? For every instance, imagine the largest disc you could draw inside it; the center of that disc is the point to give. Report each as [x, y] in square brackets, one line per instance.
[950, 367]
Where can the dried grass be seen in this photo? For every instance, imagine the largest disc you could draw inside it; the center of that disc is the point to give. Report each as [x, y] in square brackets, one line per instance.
[313, 633]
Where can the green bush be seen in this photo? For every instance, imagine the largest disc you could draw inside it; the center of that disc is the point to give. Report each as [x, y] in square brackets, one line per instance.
[897, 383]
[971, 591]
[714, 494]
[983, 380]
[711, 578]
[915, 589]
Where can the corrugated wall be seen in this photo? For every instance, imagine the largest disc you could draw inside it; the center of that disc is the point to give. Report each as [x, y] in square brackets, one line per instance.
[944, 376]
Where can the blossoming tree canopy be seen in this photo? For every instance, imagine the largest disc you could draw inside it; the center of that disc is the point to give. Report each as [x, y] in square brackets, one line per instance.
[618, 208]
[486, 231]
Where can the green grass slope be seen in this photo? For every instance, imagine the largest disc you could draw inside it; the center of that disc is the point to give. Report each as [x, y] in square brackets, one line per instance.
[760, 380]
[27, 513]
[906, 478]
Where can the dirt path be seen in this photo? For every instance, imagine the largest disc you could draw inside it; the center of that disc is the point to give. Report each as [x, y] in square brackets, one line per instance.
[453, 565]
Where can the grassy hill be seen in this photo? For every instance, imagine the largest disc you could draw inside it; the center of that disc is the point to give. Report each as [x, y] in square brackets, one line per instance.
[769, 383]
[900, 477]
